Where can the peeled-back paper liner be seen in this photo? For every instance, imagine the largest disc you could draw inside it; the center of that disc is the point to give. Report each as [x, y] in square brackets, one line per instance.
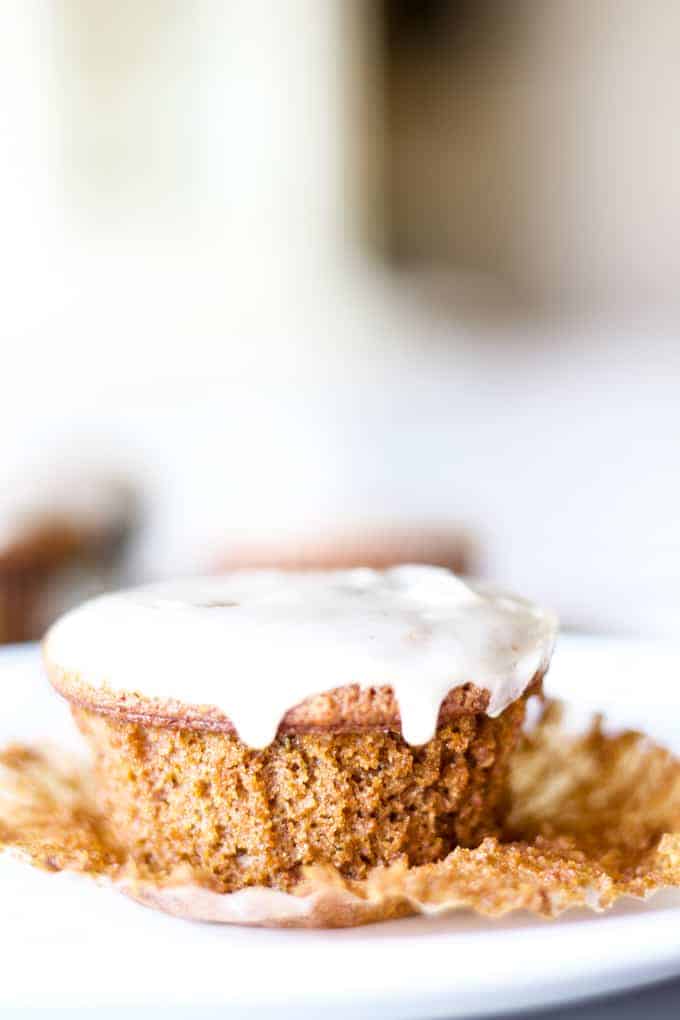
[592, 818]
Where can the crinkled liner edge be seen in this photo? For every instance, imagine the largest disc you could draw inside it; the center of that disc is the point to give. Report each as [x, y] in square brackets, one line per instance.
[259, 906]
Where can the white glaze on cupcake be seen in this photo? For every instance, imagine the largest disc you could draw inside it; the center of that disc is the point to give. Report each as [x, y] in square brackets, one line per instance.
[256, 643]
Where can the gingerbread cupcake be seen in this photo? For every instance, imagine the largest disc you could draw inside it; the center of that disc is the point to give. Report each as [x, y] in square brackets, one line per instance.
[61, 539]
[249, 725]
[361, 545]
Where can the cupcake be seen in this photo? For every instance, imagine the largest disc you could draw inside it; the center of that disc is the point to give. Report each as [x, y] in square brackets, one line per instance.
[358, 546]
[249, 725]
[59, 541]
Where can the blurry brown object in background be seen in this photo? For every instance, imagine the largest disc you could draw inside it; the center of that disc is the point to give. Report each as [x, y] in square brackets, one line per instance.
[372, 546]
[59, 545]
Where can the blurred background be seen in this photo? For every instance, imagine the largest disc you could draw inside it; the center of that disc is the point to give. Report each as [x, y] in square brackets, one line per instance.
[342, 280]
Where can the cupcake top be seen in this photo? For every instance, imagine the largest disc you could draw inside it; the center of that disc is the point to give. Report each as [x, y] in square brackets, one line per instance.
[378, 545]
[53, 517]
[254, 644]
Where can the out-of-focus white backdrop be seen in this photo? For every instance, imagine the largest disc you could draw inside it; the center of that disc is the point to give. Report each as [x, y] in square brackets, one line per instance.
[233, 268]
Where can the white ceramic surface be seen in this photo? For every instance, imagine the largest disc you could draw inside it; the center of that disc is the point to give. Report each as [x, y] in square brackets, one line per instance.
[65, 942]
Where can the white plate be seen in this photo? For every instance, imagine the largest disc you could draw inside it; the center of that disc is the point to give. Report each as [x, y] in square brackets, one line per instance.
[65, 942]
